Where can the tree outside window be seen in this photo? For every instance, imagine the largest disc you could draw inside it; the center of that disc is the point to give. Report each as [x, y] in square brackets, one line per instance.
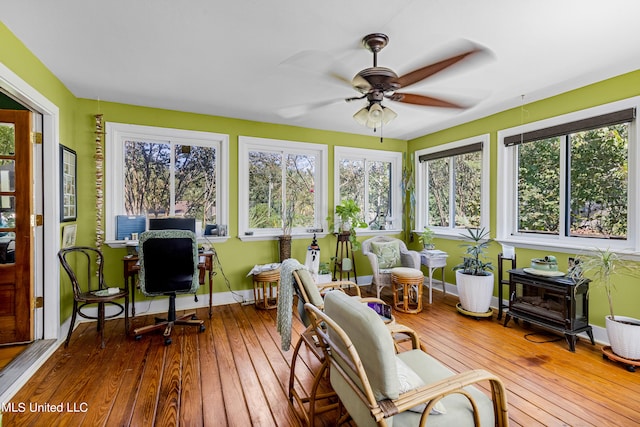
[597, 184]
[281, 187]
[367, 177]
[457, 178]
[281, 190]
[170, 179]
[156, 172]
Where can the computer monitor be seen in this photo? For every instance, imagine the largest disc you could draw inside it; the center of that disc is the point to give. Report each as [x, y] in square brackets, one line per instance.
[172, 224]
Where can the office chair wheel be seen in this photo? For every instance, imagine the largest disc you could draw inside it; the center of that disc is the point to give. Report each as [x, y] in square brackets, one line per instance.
[202, 328]
[167, 341]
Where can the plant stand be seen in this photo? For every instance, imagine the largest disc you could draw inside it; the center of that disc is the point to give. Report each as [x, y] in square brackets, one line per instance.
[344, 251]
[473, 314]
[607, 354]
[502, 281]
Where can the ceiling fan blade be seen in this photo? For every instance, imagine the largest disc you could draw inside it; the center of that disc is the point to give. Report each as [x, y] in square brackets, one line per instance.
[427, 71]
[295, 111]
[427, 101]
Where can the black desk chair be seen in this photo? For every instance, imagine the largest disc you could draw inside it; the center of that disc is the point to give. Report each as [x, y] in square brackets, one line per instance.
[168, 266]
[89, 287]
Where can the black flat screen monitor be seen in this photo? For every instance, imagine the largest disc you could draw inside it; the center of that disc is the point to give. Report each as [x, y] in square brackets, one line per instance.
[172, 224]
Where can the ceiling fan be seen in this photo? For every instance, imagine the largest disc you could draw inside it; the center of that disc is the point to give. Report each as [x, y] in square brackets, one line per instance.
[377, 83]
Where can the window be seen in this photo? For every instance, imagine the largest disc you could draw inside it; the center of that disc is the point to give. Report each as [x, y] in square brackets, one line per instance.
[372, 178]
[569, 179]
[452, 186]
[281, 183]
[158, 172]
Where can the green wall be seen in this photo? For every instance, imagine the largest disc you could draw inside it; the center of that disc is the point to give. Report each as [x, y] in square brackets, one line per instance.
[627, 298]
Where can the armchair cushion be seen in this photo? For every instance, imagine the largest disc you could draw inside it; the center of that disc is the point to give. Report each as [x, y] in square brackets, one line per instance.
[410, 380]
[388, 253]
[310, 288]
[370, 337]
[457, 406]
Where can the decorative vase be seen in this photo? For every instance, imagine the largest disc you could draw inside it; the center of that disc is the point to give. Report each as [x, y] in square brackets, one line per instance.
[285, 247]
[475, 292]
[624, 336]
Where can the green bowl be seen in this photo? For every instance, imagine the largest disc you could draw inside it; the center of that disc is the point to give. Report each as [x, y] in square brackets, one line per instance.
[542, 264]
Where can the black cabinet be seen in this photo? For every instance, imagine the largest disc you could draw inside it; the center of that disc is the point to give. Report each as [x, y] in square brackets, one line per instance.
[556, 303]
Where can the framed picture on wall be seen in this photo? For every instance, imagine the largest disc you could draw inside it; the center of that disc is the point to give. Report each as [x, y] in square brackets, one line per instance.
[68, 184]
[69, 235]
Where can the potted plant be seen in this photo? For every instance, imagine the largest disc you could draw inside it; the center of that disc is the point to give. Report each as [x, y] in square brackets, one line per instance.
[426, 238]
[348, 212]
[473, 276]
[287, 225]
[601, 266]
[324, 273]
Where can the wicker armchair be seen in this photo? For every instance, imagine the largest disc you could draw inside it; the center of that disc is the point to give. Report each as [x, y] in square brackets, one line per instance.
[379, 387]
[317, 401]
[381, 270]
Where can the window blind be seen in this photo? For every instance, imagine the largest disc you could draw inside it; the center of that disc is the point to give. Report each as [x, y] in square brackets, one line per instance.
[608, 119]
[451, 152]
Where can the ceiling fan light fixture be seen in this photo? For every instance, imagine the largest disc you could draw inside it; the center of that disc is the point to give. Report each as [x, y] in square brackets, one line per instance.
[388, 115]
[361, 116]
[374, 115]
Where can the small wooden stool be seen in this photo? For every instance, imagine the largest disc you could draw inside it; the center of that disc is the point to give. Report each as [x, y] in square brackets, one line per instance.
[265, 289]
[408, 282]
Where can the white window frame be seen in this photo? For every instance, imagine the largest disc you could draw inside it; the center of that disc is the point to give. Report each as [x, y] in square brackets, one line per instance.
[247, 144]
[369, 155]
[118, 133]
[506, 215]
[422, 185]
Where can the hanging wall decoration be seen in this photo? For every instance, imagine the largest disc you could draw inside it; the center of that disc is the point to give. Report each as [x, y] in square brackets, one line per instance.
[99, 157]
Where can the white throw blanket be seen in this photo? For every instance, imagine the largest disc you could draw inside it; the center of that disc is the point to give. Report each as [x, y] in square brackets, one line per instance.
[285, 301]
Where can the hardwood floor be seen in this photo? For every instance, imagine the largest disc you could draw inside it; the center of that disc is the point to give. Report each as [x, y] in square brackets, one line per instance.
[235, 374]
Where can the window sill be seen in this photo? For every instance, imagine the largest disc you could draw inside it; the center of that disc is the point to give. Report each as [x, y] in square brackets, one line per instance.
[620, 248]
[260, 237]
[119, 244]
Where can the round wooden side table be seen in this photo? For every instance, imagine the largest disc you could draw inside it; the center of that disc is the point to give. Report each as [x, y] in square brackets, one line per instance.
[265, 289]
[407, 289]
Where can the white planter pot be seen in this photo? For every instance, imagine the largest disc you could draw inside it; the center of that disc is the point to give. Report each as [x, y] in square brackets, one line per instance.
[323, 278]
[624, 337]
[475, 292]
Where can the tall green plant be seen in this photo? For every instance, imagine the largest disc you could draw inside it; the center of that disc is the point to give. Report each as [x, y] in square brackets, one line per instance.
[601, 266]
[477, 244]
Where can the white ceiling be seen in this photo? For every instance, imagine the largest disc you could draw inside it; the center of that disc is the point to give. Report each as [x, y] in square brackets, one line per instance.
[252, 59]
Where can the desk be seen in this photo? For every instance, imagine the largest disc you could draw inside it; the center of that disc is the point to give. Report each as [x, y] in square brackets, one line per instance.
[131, 268]
[432, 260]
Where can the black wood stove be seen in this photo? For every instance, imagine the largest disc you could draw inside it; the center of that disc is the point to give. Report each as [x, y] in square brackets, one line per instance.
[556, 303]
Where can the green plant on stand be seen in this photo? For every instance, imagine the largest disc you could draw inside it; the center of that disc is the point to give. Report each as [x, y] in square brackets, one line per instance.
[426, 238]
[349, 213]
[324, 268]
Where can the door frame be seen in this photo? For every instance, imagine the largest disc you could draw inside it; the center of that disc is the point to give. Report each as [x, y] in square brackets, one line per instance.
[47, 319]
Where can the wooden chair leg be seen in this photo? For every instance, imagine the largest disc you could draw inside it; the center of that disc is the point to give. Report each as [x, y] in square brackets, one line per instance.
[73, 322]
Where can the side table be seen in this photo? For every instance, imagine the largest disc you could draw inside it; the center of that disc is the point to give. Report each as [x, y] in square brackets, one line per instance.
[433, 259]
[407, 286]
[265, 289]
